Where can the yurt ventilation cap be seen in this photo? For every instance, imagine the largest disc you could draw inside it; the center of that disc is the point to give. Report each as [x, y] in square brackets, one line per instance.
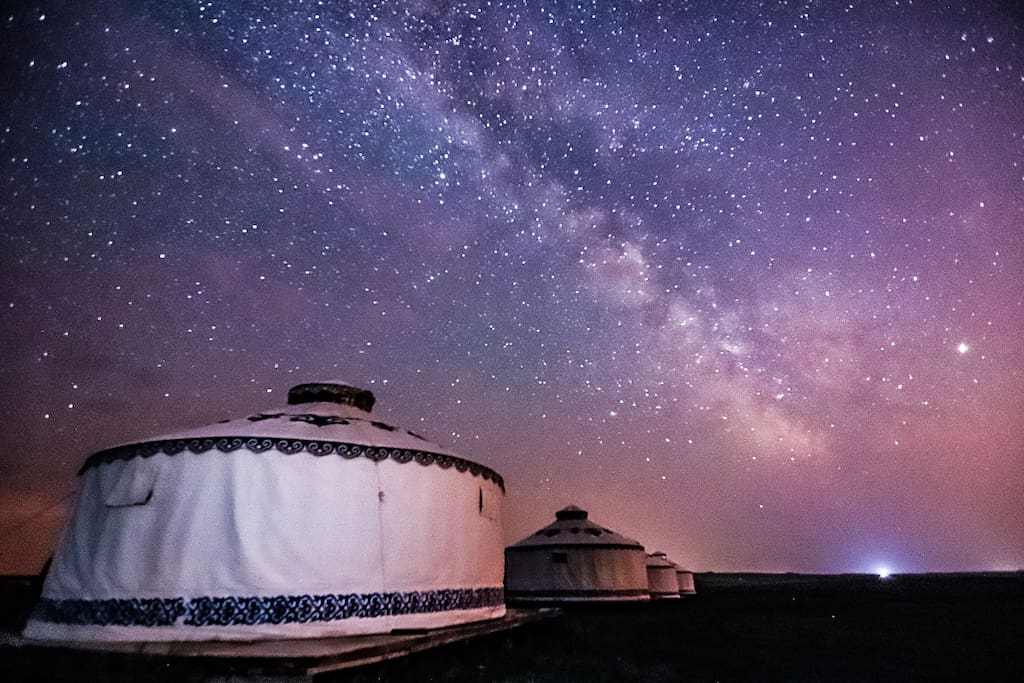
[331, 392]
[571, 512]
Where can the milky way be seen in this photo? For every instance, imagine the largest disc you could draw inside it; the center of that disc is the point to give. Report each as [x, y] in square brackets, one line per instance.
[746, 282]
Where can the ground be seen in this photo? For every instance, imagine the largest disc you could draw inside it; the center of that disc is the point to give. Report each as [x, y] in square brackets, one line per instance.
[738, 628]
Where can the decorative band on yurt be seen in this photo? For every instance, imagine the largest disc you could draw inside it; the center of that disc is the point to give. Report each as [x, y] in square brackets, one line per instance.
[609, 593]
[571, 546]
[252, 610]
[349, 451]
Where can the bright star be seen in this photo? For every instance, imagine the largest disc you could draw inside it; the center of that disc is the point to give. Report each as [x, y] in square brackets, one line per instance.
[962, 347]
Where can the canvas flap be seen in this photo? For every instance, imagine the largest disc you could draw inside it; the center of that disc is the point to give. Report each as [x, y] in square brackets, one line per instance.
[130, 483]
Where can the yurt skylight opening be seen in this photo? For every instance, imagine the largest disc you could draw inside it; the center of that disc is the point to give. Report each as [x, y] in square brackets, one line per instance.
[331, 392]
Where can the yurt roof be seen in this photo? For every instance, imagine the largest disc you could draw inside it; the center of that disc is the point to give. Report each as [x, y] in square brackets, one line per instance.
[572, 527]
[321, 419]
[658, 559]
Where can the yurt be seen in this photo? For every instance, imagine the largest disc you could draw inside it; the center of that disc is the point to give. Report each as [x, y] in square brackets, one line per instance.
[685, 579]
[573, 559]
[661, 577]
[306, 521]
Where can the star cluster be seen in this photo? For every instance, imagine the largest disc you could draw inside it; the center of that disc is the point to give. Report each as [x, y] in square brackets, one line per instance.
[743, 281]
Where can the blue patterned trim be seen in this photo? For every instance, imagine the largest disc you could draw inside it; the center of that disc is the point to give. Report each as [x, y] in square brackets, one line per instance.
[227, 444]
[123, 612]
[253, 610]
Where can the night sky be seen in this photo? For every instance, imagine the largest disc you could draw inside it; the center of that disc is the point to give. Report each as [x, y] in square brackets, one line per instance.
[744, 281]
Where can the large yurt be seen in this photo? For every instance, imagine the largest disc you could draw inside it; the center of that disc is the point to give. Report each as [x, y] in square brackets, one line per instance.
[661, 577]
[310, 520]
[572, 560]
[685, 579]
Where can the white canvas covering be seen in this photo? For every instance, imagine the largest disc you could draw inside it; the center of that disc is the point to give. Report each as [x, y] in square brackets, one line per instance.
[685, 579]
[661, 577]
[310, 520]
[574, 559]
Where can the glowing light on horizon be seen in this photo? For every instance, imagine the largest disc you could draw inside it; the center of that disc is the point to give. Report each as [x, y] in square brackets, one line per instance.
[883, 572]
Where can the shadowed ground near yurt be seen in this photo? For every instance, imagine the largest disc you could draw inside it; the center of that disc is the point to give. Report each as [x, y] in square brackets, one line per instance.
[738, 627]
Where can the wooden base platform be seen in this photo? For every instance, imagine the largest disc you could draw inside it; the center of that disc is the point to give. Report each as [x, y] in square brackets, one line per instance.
[294, 660]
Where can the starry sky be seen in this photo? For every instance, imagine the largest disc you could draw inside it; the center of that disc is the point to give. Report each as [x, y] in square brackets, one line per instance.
[742, 279]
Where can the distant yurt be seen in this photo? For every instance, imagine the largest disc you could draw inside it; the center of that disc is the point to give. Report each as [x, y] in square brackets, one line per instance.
[685, 579]
[310, 520]
[572, 560]
[661, 577]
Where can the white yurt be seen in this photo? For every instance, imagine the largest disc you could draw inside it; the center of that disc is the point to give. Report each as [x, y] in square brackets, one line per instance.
[574, 559]
[661, 577]
[306, 521]
[685, 579]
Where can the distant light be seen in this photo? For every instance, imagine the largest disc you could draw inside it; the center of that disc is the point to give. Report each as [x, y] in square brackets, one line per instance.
[962, 347]
[883, 572]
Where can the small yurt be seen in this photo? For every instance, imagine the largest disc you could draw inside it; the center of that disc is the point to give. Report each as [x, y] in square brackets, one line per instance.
[572, 560]
[310, 520]
[685, 579]
[661, 577]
